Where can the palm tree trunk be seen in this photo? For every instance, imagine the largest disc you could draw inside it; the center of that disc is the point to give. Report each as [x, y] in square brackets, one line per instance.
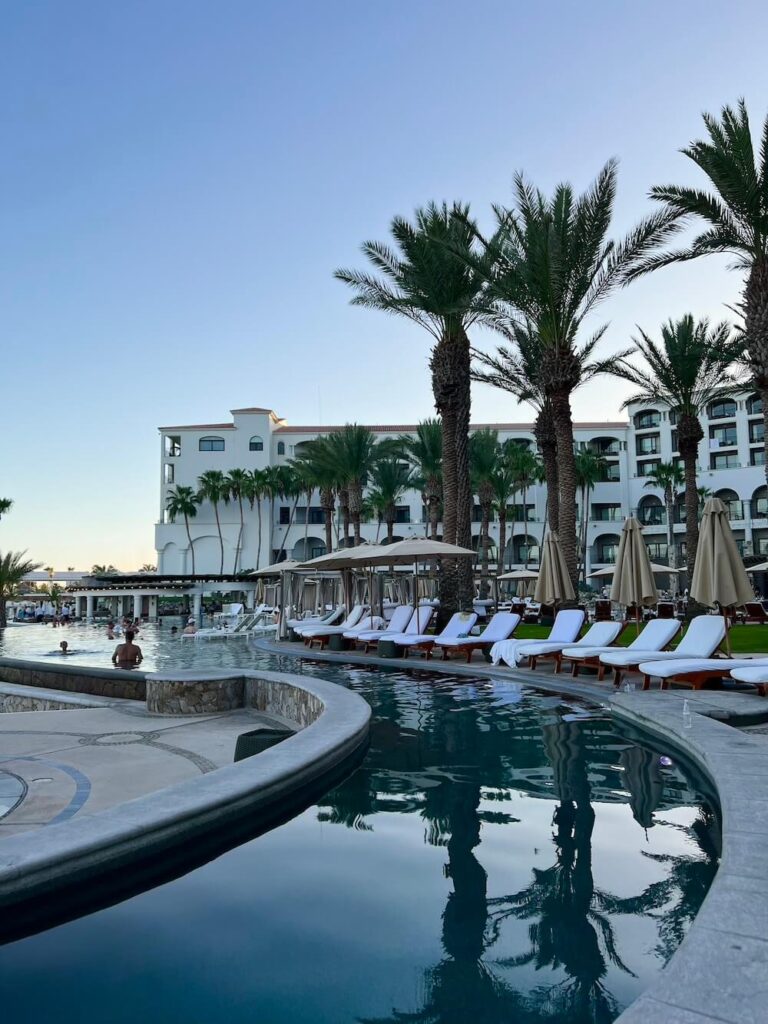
[355, 508]
[547, 443]
[691, 507]
[238, 549]
[756, 330]
[502, 537]
[327, 501]
[485, 545]
[434, 517]
[258, 519]
[512, 531]
[390, 529]
[221, 538]
[566, 473]
[271, 526]
[3, 613]
[288, 528]
[671, 553]
[191, 546]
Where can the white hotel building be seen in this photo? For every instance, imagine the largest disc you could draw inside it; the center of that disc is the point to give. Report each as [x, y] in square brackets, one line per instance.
[730, 466]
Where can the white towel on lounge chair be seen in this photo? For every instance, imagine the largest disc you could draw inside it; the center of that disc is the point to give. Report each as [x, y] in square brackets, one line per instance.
[501, 627]
[401, 616]
[599, 634]
[656, 635]
[702, 638]
[458, 626]
[564, 631]
[351, 620]
[756, 672]
[682, 666]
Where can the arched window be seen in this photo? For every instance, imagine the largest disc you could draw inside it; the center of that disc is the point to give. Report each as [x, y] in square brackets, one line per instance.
[760, 503]
[281, 447]
[722, 409]
[256, 444]
[754, 405]
[647, 418]
[211, 444]
[732, 502]
[606, 547]
[651, 511]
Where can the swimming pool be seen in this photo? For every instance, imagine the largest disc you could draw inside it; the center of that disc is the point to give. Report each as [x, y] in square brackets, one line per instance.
[499, 856]
[91, 646]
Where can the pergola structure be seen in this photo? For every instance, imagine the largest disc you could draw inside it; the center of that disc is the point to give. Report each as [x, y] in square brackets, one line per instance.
[143, 590]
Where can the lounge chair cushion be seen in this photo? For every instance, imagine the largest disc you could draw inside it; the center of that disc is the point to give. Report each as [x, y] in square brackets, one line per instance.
[682, 666]
[701, 640]
[457, 626]
[501, 626]
[564, 631]
[401, 616]
[657, 634]
[756, 672]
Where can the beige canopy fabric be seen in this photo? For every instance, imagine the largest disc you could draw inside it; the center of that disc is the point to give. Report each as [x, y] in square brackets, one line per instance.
[554, 583]
[719, 576]
[519, 574]
[344, 558]
[418, 549]
[277, 569]
[633, 577]
[611, 569]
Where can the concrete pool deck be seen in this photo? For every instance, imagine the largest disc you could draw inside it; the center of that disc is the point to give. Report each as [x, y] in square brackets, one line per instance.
[720, 971]
[101, 753]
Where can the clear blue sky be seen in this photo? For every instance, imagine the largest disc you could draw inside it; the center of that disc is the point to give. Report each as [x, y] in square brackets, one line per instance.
[180, 178]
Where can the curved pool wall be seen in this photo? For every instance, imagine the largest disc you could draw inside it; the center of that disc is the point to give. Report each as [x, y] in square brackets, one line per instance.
[332, 729]
[720, 971]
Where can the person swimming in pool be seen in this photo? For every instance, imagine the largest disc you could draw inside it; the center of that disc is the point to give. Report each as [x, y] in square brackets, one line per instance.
[127, 655]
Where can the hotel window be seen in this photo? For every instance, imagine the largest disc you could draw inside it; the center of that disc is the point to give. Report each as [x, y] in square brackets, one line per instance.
[674, 442]
[211, 444]
[285, 515]
[168, 473]
[606, 513]
[724, 436]
[256, 444]
[644, 468]
[316, 516]
[281, 447]
[172, 445]
[755, 406]
[721, 410]
[648, 444]
[647, 419]
[403, 514]
[610, 473]
[724, 460]
[606, 550]
[519, 514]
[656, 550]
[673, 417]
[757, 431]
[757, 457]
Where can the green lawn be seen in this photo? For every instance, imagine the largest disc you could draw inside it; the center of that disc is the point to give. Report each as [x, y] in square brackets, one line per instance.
[744, 639]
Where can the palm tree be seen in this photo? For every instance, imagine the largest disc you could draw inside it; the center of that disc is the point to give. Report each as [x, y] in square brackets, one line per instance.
[238, 485]
[553, 263]
[484, 456]
[435, 277]
[6, 504]
[504, 482]
[183, 501]
[424, 452]
[390, 478]
[515, 370]
[689, 369]
[255, 493]
[319, 471]
[351, 453]
[274, 487]
[293, 487]
[98, 570]
[736, 216]
[528, 470]
[590, 468]
[147, 567]
[213, 487]
[13, 568]
[668, 477]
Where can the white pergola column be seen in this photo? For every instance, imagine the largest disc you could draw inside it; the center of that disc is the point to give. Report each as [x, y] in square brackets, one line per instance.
[89, 607]
[250, 600]
[197, 607]
[137, 606]
[152, 610]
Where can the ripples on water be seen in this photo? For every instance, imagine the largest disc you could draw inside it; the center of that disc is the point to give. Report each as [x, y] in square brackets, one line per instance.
[498, 857]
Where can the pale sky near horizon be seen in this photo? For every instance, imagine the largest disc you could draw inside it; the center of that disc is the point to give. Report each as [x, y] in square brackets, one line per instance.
[180, 179]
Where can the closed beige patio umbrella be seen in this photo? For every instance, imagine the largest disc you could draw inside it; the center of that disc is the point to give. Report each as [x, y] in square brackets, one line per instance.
[719, 576]
[633, 583]
[554, 584]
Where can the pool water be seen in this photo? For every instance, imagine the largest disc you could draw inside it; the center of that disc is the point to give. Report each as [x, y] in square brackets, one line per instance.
[499, 856]
[90, 645]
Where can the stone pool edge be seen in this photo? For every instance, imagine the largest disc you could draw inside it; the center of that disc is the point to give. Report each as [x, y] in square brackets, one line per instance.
[40, 862]
[719, 972]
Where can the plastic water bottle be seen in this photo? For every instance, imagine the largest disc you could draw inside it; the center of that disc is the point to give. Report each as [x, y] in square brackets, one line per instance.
[686, 714]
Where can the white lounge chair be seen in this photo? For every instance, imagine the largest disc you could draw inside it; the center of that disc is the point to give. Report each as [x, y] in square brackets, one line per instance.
[351, 620]
[457, 627]
[322, 635]
[654, 637]
[318, 620]
[420, 620]
[599, 634]
[702, 638]
[564, 631]
[500, 628]
[401, 616]
[693, 672]
[756, 674]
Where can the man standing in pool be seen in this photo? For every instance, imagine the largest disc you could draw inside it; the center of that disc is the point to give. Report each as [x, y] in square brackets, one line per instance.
[127, 655]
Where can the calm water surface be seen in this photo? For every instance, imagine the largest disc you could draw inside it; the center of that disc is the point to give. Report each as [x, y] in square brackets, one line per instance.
[498, 857]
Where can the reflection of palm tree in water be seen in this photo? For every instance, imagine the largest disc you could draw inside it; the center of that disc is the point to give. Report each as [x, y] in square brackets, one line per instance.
[572, 931]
